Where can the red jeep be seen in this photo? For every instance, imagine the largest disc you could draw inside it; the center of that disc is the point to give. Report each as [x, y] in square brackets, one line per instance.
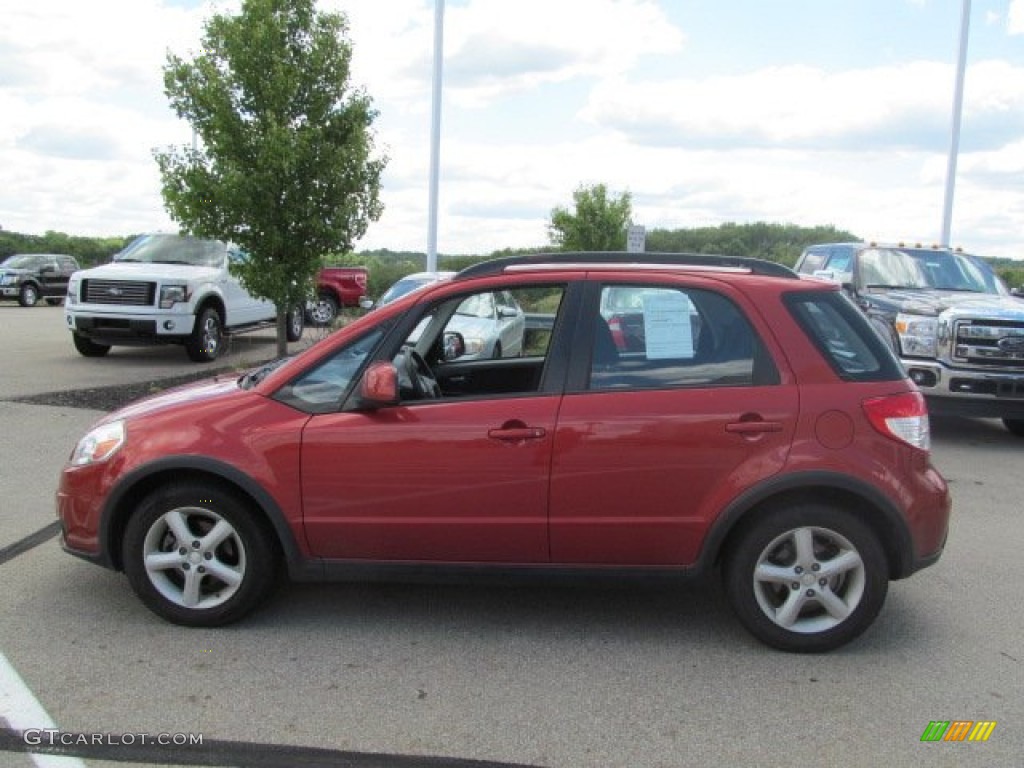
[758, 426]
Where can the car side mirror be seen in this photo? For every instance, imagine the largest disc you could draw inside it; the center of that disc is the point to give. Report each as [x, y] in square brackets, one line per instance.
[453, 346]
[365, 302]
[379, 386]
[507, 312]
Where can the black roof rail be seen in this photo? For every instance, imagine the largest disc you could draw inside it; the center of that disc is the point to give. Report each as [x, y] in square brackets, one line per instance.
[756, 266]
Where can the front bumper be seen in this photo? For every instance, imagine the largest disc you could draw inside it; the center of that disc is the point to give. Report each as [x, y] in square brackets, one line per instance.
[123, 328]
[968, 391]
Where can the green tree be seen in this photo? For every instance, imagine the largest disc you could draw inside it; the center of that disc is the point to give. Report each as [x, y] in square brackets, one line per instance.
[598, 222]
[286, 167]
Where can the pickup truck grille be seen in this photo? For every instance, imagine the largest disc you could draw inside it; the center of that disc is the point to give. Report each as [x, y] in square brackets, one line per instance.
[990, 343]
[134, 293]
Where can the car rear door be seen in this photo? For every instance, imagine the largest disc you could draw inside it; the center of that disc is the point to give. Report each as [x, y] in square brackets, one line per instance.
[652, 443]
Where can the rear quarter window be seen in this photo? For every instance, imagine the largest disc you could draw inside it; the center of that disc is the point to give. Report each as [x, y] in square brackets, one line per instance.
[844, 336]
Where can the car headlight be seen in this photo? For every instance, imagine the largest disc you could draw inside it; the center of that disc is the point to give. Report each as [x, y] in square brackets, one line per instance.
[173, 294]
[474, 345]
[7, 279]
[100, 444]
[917, 334]
[72, 296]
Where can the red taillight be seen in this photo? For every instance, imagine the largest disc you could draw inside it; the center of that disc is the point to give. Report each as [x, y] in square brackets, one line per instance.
[902, 417]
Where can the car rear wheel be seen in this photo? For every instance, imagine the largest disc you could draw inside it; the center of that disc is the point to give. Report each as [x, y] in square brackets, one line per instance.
[29, 295]
[196, 555]
[807, 578]
[324, 310]
[295, 324]
[88, 347]
[203, 346]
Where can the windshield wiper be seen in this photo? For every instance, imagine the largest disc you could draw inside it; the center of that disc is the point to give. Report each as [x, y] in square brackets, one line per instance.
[256, 375]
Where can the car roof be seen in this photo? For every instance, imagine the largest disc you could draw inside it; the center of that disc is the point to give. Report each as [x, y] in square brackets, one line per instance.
[625, 261]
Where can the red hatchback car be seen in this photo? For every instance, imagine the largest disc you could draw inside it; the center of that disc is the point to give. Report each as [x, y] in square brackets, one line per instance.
[761, 428]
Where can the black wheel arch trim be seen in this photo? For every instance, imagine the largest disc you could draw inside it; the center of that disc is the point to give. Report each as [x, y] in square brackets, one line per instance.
[113, 516]
[898, 545]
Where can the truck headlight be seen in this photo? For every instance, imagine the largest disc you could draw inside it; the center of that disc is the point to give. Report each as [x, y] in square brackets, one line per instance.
[72, 296]
[917, 335]
[173, 294]
[100, 444]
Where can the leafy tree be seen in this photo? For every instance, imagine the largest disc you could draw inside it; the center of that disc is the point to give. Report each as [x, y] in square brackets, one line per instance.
[598, 222]
[285, 169]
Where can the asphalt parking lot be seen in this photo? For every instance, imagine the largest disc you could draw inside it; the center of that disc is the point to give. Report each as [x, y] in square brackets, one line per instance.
[394, 675]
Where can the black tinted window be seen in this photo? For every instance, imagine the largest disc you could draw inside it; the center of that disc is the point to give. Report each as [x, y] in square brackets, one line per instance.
[844, 336]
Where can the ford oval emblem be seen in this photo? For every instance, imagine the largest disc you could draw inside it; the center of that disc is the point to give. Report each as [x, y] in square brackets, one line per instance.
[1013, 345]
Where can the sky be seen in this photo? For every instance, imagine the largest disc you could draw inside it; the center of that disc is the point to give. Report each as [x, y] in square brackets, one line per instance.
[806, 112]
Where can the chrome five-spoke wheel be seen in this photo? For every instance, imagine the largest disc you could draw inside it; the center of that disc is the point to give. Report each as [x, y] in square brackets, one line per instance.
[806, 578]
[198, 555]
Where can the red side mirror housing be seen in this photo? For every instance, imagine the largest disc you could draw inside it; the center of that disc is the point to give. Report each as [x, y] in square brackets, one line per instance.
[379, 385]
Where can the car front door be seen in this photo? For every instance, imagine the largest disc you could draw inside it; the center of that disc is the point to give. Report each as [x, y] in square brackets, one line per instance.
[460, 478]
[654, 441]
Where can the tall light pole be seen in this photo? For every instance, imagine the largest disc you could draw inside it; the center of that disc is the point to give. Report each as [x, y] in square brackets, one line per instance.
[954, 144]
[435, 134]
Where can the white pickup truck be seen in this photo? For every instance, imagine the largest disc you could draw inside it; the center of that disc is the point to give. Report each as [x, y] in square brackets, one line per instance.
[166, 289]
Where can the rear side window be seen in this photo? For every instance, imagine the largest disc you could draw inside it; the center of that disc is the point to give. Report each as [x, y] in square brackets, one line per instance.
[844, 336]
[653, 337]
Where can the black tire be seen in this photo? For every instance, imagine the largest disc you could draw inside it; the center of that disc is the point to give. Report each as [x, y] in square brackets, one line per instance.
[324, 310]
[812, 556]
[295, 324]
[88, 347]
[55, 301]
[1015, 426]
[194, 578]
[207, 339]
[29, 295]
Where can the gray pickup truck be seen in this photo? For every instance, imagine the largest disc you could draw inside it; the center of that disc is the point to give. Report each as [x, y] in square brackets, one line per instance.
[954, 325]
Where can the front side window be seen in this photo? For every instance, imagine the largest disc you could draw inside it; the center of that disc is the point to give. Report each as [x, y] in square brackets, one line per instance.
[322, 388]
[657, 337]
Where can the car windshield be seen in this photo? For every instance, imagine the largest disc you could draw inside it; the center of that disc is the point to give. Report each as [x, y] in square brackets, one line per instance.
[480, 305]
[921, 268]
[19, 262]
[402, 287]
[173, 249]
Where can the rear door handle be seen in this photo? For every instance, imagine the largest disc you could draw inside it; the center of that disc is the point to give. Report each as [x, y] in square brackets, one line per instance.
[512, 434]
[753, 427]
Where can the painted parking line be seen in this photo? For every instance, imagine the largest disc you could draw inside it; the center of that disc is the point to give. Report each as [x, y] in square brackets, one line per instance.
[29, 542]
[23, 712]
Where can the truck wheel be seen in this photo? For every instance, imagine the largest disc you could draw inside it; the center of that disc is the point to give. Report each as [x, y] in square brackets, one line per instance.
[295, 323]
[806, 578]
[196, 555]
[207, 337]
[88, 347]
[1016, 426]
[29, 295]
[324, 310]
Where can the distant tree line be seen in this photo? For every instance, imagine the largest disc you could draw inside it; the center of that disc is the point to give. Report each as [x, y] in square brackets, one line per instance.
[775, 242]
[87, 250]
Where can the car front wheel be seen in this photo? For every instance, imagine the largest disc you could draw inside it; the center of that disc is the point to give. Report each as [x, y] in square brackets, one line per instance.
[197, 556]
[807, 578]
[88, 347]
[203, 346]
[29, 296]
